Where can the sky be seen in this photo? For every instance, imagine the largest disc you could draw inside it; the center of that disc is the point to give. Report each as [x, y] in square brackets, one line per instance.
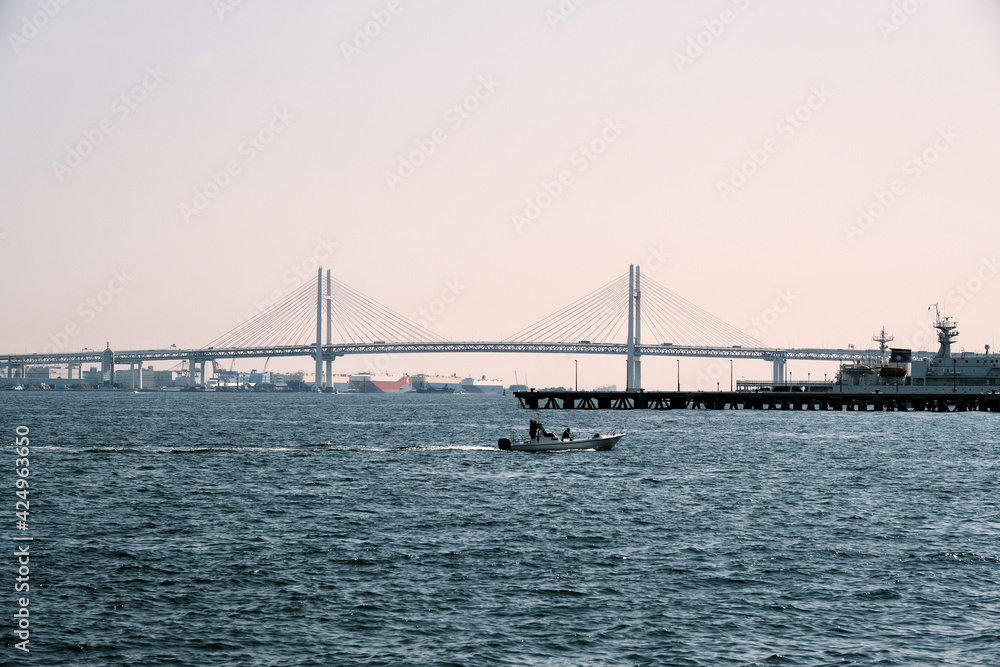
[807, 172]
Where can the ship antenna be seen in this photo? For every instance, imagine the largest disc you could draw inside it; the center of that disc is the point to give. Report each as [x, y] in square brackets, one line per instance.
[882, 339]
[946, 332]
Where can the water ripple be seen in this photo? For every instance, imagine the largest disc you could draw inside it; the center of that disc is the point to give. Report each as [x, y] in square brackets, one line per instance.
[340, 530]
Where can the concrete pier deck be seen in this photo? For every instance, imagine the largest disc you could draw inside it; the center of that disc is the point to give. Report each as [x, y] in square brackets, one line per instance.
[896, 401]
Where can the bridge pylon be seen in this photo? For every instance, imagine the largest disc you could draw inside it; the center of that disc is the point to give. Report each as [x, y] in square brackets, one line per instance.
[328, 386]
[318, 385]
[633, 363]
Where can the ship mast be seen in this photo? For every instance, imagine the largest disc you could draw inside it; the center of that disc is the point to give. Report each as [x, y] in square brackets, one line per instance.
[882, 339]
[946, 331]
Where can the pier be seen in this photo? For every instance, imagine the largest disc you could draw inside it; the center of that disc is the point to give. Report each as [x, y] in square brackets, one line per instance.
[890, 401]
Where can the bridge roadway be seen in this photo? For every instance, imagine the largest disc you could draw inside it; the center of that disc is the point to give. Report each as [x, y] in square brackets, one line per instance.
[342, 349]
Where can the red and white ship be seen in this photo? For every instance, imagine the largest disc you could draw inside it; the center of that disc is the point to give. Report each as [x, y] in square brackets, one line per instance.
[366, 383]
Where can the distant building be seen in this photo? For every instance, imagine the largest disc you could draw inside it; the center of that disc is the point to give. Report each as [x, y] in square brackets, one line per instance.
[231, 378]
[129, 378]
[162, 379]
[36, 372]
[267, 377]
[151, 378]
[108, 366]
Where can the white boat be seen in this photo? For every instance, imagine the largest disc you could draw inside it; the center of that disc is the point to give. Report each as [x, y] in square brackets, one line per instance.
[547, 442]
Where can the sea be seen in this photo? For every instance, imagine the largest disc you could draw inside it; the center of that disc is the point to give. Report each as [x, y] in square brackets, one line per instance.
[304, 529]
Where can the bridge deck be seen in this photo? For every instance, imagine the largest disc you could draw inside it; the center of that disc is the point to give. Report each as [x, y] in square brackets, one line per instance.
[337, 350]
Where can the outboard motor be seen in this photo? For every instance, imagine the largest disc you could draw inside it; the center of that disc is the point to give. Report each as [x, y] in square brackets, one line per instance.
[504, 444]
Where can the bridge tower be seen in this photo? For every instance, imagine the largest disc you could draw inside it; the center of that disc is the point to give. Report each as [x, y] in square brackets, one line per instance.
[633, 365]
[637, 363]
[630, 341]
[329, 332]
[318, 386]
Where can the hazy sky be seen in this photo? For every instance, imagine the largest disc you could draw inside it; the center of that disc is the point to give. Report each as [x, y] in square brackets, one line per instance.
[187, 159]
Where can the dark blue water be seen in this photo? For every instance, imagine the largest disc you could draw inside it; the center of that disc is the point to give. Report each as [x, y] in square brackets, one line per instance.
[179, 529]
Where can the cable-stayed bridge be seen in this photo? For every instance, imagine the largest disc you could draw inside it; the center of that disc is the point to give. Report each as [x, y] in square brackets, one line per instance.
[325, 318]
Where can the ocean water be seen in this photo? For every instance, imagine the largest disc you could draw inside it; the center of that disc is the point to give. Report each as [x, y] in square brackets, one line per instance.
[220, 529]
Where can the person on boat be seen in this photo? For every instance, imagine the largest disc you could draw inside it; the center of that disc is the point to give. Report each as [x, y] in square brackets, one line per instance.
[532, 429]
[540, 431]
[567, 435]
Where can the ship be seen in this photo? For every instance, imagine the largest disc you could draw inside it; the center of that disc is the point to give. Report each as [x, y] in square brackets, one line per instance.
[945, 371]
[895, 364]
[452, 384]
[366, 383]
[435, 384]
[481, 386]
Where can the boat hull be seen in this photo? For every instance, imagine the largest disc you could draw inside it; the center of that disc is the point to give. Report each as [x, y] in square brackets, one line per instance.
[603, 443]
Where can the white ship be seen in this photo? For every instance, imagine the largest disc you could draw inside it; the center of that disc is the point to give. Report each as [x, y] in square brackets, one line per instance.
[437, 384]
[945, 371]
[481, 386]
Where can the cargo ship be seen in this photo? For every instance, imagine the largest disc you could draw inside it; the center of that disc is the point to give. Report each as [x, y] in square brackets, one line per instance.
[481, 386]
[436, 384]
[366, 383]
[452, 384]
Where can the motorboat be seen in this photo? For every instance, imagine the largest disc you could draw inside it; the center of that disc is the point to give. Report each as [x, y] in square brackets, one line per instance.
[548, 442]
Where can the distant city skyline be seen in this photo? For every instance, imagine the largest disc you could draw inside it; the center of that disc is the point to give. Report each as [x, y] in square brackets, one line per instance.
[808, 174]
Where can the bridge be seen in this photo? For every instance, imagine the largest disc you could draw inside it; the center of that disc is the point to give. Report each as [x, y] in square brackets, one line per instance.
[610, 320]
